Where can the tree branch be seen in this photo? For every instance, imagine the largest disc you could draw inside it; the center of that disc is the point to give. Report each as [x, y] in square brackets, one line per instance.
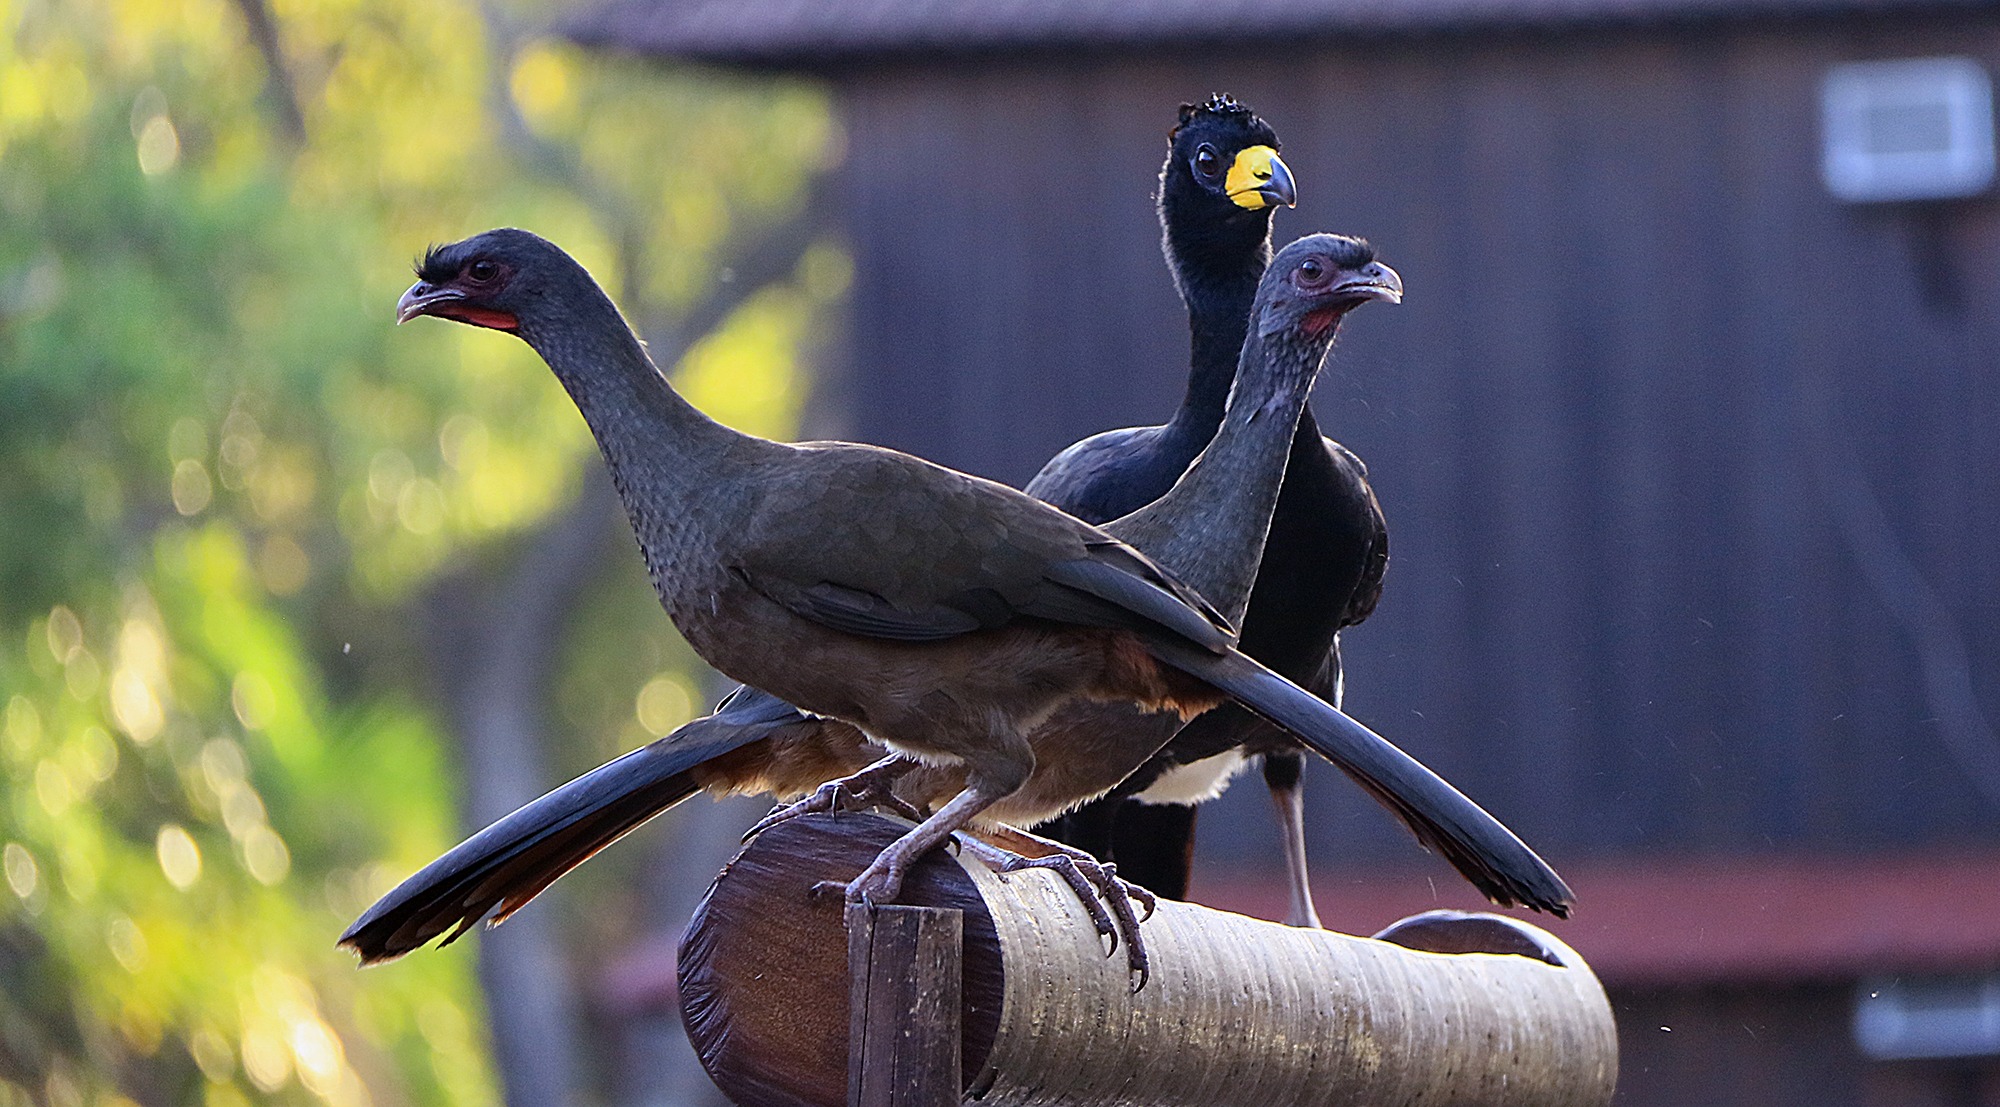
[497, 643]
[279, 87]
[771, 256]
[559, 165]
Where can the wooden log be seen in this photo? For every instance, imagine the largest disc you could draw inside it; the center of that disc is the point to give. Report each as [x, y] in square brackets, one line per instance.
[903, 1004]
[1470, 1010]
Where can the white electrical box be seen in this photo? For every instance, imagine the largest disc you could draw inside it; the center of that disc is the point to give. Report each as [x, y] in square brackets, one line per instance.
[1928, 1016]
[1915, 129]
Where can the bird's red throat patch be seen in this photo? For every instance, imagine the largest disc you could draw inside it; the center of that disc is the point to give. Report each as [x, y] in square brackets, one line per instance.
[478, 316]
[1318, 322]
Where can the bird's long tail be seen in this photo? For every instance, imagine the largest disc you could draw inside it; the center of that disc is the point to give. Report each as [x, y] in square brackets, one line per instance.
[1489, 855]
[495, 872]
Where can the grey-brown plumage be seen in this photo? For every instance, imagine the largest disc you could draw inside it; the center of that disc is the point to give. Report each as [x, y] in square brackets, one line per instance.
[944, 615]
[1209, 528]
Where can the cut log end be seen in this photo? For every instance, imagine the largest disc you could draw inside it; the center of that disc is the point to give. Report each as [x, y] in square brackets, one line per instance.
[763, 965]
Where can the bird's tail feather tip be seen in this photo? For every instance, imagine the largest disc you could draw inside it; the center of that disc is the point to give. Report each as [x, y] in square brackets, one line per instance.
[1535, 895]
[367, 957]
[1444, 819]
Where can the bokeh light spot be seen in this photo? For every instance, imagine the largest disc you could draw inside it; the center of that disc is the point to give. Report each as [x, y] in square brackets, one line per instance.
[180, 857]
[127, 943]
[283, 565]
[65, 632]
[212, 1054]
[52, 788]
[134, 707]
[265, 1059]
[159, 146]
[192, 490]
[664, 703]
[253, 700]
[265, 855]
[23, 875]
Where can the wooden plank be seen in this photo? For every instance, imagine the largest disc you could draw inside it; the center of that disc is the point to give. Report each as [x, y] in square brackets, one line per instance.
[906, 971]
[1618, 613]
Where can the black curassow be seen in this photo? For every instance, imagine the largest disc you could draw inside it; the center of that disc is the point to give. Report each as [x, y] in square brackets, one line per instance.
[1324, 560]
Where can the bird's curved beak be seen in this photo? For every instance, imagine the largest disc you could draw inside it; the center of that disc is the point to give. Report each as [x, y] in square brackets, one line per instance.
[1258, 178]
[447, 302]
[424, 298]
[1374, 281]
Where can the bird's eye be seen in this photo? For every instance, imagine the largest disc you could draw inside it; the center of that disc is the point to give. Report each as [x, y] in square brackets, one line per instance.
[1206, 161]
[1311, 271]
[482, 271]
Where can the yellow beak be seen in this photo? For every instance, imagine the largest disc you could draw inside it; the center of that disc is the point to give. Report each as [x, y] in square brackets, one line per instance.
[1258, 179]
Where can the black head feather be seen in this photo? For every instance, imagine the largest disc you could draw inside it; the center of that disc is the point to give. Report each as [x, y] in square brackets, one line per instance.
[1218, 103]
[434, 267]
[1231, 117]
[1346, 251]
[1209, 238]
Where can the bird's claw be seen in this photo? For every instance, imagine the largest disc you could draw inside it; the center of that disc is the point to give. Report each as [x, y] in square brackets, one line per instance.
[1145, 898]
[853, 891]
[880, 882]
[1106, 898]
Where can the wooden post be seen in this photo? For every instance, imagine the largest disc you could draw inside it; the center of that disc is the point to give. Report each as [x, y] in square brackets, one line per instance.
[1443, 1010]
[903, 1006]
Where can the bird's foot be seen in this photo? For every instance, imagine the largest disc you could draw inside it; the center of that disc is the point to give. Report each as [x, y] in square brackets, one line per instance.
[880, 882]
[870, 789]
[1096, 885]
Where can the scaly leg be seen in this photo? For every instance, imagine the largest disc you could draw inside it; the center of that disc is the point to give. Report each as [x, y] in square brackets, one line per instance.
[866, 790]
[882, 880]
[1282, 772]
[1290, 800]
[1086, 876]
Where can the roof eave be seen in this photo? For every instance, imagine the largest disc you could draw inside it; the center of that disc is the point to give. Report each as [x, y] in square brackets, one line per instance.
[825, 44]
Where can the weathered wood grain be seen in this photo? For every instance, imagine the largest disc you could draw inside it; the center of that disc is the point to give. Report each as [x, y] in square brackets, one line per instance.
[1473, 1010]
[763, 966]
[903, 1006]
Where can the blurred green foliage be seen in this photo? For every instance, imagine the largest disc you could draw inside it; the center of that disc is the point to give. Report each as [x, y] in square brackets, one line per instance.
[226, 481]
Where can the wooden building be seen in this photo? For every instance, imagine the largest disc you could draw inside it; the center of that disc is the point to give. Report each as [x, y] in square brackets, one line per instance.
[1693, 469]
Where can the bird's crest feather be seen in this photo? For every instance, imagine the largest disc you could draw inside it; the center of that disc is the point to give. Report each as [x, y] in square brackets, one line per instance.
[434, 266]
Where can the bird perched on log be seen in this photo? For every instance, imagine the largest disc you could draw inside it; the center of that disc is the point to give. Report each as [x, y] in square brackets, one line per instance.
[1222, 179]
[1328, 546]
[942, 614]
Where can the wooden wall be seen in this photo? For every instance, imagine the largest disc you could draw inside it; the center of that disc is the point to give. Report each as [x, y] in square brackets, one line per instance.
[1693, 474]
[1774, 1046]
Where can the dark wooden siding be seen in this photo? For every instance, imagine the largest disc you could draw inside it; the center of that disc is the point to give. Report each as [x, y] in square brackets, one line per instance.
[1774, 1047]
[1643, 362]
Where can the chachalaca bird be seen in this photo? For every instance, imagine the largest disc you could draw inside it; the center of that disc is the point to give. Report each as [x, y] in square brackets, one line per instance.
[1221, 181]
[1131, 616]
[1323, 563]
